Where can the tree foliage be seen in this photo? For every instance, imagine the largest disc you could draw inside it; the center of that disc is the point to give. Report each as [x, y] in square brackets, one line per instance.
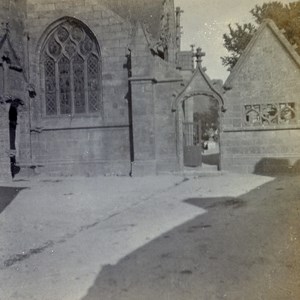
[286, 17]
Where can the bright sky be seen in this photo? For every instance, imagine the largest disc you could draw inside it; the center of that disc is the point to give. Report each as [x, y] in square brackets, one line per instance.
[204, 23]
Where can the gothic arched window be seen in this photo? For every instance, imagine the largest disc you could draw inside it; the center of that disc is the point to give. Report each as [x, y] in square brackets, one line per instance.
[72, 71]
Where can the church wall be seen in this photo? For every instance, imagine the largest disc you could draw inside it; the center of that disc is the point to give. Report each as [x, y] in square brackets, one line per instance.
[268, 77]
[101, 139]
[12, 14]
[4, 143]
[142, 105]
[153, 85]
[96, 143]
[165, 128]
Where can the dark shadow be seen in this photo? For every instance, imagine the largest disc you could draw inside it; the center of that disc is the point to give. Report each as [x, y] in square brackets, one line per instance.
[128, 66]
[52, 180]
[211, 159]
[226, 251]
[208, 203]
[7, 195]
[21, 180]
[276, 166]
[13, 122]
[296, 167]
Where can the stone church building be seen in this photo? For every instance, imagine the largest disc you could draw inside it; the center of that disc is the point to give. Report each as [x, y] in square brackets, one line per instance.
[91, 87]
[87, 86]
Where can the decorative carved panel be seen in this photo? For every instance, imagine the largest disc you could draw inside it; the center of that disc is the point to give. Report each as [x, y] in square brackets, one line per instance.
[69, 89]
[270, 114]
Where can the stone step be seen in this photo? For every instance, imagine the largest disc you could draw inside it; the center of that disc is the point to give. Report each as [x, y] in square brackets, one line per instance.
[203, 170]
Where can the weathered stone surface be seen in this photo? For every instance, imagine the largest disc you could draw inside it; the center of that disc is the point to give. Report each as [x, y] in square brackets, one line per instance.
[267, 73]
[135, 120]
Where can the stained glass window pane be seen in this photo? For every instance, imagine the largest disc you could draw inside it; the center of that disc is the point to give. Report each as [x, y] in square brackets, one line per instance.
[70, 48]
[50, 88]
[54, 47]
[77, 33]
[93, 83]
[62, 34]
[86, 45]
[64, 86]
[78, 81]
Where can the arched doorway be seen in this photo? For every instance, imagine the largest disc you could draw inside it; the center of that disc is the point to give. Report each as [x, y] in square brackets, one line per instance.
[13, 122]
[199, 123]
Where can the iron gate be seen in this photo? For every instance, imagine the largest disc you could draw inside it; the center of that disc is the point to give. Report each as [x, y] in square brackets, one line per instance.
[192, 148]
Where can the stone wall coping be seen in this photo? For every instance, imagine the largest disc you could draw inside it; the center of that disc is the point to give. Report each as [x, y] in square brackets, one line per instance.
[155, 80]
[142, 79]
[165, 80]
[265, 128]
[41, 129]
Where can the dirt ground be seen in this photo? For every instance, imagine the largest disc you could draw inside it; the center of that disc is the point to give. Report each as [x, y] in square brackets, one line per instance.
[169, 238]
[244, 248]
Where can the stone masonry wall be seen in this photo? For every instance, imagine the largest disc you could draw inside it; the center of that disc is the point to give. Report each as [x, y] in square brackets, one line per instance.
[4, 144]
[99, 139]
[13, 82]
[153, 84]
[142, 97]
[165, 128]
[260, 151]
[269, 75]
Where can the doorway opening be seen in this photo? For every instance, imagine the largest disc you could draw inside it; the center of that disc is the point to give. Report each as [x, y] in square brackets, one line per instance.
[200, 131]
[13, 121]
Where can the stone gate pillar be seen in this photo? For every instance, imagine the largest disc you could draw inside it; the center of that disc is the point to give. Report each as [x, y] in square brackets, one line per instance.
[143, 127]
[142, 105]
[4, 143]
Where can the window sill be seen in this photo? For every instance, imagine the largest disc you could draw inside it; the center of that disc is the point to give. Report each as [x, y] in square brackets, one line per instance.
[87, 127]
[262, 128]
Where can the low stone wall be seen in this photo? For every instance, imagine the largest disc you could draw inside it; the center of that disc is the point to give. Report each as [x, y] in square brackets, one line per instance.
[261, 152]
[85, 151]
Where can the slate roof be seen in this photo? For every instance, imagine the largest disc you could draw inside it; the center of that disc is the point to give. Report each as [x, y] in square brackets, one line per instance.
[148, 12]
[243, 58]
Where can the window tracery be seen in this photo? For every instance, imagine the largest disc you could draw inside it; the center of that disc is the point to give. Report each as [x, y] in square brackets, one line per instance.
[71, 64]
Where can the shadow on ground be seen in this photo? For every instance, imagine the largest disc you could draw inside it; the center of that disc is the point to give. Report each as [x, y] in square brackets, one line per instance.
[7, 195]
[211, 159]
[277, 166]
[240, 249]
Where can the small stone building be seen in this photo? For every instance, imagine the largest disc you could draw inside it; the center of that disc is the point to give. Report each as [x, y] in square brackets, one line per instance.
[261, 127]
[87, 86]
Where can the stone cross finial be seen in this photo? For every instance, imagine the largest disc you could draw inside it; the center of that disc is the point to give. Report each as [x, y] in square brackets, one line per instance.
[199, 54]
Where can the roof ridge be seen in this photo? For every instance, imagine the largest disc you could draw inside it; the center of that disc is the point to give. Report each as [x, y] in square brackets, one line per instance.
[277, 33]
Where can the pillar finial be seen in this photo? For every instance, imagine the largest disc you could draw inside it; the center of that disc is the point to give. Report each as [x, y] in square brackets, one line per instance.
[199, 54]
